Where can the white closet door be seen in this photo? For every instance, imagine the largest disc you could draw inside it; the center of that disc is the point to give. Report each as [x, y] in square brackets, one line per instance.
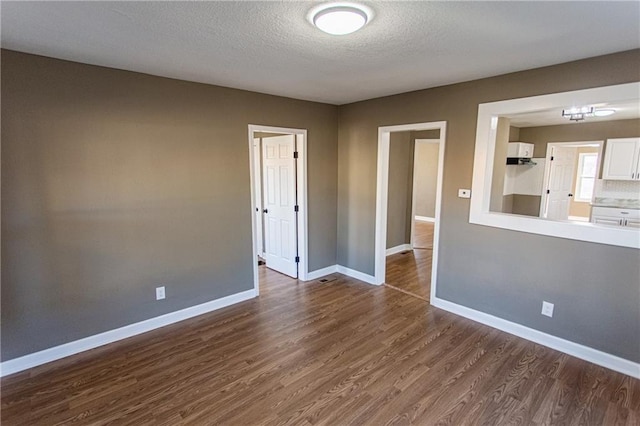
[279, 179]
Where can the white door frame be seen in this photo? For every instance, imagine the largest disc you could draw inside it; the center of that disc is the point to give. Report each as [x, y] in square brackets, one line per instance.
[257, 175]
[301, 188]
[547, 165]
[414, 191]
[382, 194]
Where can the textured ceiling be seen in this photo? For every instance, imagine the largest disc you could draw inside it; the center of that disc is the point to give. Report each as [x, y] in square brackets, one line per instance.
[270, 47]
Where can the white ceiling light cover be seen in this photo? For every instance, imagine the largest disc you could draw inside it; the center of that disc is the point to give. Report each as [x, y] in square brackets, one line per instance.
[340, 19]
[604, 112]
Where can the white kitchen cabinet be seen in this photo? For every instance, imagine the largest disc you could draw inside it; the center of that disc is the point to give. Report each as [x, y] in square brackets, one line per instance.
[622, 159]
[633, 223]
[616, 217]
[520, 149]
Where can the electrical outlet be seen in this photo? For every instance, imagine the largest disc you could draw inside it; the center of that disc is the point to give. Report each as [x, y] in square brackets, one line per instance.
[547, 309]
[464, 193]
[160, 294]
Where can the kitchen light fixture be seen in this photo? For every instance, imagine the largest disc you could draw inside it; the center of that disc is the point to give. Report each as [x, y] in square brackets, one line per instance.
[340, 18]
[604, 112]
[577, 114]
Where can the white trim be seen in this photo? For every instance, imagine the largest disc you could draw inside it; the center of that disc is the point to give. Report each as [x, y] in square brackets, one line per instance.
[488, 114]
[357, 275]
[57, 352]
[319, 273]
[382, 193]
[577, 350]
[303, 247]
[257, 155]
[398, 249]
[425, 219]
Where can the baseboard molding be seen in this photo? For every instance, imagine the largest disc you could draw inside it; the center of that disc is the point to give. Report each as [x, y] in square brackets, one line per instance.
[369, 279]
[398, 249]
[42, 357]
[319, 273]
[586, 353]
[426, 219]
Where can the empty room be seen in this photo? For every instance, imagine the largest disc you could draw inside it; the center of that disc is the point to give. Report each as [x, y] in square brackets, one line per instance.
[320, 213]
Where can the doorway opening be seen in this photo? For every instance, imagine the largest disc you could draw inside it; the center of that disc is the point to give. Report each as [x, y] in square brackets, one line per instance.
[278, 178]
[570, 175]
[398, 204]
[425, 185]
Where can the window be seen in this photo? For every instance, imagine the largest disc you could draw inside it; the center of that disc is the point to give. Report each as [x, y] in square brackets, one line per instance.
[587, 163]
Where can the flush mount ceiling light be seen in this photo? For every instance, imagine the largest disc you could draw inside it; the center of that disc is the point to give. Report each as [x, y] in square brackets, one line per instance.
[604, 112]
[340, 19]
[580, 113]
[577, 113]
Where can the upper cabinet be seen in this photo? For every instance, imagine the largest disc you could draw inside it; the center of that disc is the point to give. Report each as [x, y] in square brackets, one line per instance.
[622, 159]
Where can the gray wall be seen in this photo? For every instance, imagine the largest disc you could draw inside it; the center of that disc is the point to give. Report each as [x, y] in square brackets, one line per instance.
[528, 205]
[400, 189]
[426, 178]
[594, 286]
[116, 182]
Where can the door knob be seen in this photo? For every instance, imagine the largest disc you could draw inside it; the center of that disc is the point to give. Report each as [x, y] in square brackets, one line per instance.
[265, 211]
[570, 195]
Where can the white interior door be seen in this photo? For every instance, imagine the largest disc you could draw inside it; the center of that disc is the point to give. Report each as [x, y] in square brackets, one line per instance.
[257, 155]
[560, 184]
[279, 201]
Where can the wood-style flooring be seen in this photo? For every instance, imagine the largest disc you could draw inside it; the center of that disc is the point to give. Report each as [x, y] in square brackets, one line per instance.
[339, 352]
[423, 235]
[410, 271]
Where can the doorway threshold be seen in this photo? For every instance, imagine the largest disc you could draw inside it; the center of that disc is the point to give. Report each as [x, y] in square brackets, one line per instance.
[406, 292]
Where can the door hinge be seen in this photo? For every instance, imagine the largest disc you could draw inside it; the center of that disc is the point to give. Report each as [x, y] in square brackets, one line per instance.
[297, 259]
[295, 154]
[296, 208]
[552, 158]
[548, 191]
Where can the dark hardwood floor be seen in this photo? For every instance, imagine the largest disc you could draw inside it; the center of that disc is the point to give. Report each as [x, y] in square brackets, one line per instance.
[332, 353]
[410, 271]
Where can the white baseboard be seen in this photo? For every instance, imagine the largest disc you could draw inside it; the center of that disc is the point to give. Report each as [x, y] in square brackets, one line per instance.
[398, 249]
[369, 279]
[319, 273]
[38, 358]
[586, 353]
[426, 219]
